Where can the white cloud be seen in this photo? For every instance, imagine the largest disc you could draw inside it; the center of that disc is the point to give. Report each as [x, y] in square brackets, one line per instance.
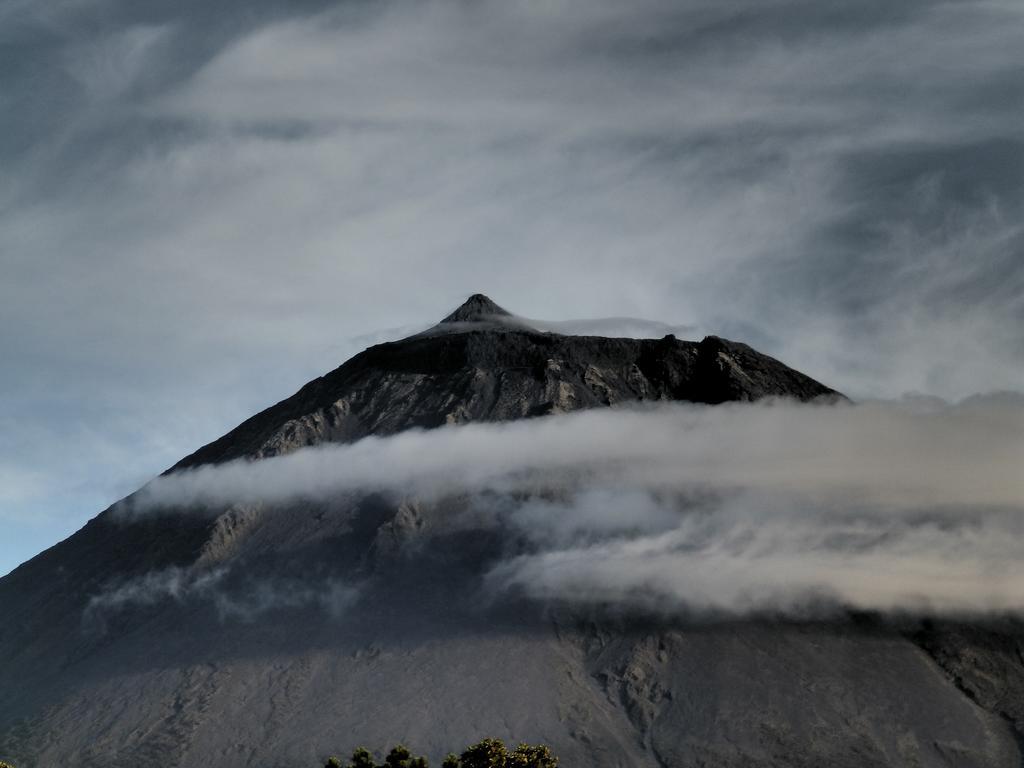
[245, 601]
[917, 505]
[893, 454]
[760, 553]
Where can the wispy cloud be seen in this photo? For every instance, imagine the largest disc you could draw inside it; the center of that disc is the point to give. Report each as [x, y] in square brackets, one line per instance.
[245, 601]
[910, 505]
[898, 454]
[200, 205]
[776, 554]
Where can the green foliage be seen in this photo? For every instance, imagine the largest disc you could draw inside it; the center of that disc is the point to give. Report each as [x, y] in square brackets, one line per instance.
[532, 756]
[489, 753]
[362, 758]
[5, 764]
[398, 757]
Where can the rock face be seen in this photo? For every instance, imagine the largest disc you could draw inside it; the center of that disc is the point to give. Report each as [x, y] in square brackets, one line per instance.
[483, 364]
[479, 309]
[257, 635]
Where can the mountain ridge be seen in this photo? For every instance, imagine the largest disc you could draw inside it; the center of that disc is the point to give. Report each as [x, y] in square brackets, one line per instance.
[252, 634]
[572, 370]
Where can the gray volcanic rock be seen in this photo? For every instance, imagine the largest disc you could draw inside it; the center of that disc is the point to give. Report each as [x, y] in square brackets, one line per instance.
[258, 635]
[489, 367]
[478, 308]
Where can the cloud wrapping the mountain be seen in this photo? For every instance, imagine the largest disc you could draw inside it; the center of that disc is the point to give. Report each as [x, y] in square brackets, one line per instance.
[899, 454]
[910, 505]
[776, 554]
[247, 601]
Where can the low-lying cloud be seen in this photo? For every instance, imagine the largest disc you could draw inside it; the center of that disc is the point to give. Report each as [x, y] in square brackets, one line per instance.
[915, 505]
[752, 554]
[246, 601]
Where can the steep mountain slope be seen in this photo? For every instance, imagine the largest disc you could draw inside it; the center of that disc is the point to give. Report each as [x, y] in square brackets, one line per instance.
[482, 364]
[273, 635]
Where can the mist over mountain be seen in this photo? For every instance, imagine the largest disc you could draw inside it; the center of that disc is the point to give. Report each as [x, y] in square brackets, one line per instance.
[649, 552]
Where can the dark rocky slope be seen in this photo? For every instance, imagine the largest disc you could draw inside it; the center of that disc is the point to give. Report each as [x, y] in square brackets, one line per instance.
[235, 638]
[482, 364]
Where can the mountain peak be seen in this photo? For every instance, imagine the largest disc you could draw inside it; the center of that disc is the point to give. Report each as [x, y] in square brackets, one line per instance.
[477, 308]
[198, 602]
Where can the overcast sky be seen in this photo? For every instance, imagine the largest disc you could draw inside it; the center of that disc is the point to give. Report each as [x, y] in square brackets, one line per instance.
[204, 205]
